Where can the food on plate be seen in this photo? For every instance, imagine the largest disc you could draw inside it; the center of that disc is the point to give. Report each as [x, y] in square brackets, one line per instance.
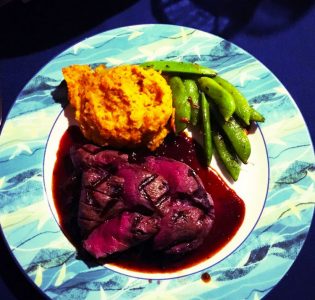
[220, 96]
[207, 139]
[235, 134]
[242, 108]
[230, 108]
[123, 204]
[180, 103]
[124, 106]
[193, 98]
[137, 105]
[135, 189]
[140, 210]
[186, 68]
[256, 116]
[226, 156]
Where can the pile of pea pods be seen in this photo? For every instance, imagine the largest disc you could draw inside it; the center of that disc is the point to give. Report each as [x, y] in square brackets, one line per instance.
[202, 98]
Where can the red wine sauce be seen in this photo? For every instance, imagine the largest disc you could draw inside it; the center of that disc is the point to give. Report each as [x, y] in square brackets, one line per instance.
[229, 207]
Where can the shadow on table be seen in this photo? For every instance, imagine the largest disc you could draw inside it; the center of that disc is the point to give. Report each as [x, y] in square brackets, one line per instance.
[13, 276]
[228, 17]
[40, 24]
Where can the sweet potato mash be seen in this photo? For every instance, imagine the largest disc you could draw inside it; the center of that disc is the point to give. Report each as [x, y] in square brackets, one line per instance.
[124, 106]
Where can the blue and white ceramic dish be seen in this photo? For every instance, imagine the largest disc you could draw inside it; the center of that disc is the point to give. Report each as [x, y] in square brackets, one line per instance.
[277, 185]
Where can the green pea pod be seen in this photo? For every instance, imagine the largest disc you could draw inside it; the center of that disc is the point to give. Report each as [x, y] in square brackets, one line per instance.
[180, 103]
[256, 116]
[179, 67]
[207, 140]
[228, 158]
[236, 135]
[193, 96]
[221, 98]
[242, 108]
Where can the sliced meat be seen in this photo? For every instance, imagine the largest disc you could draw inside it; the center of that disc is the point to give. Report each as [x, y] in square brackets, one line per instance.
[182, 180]
[141, 188]
[90, 155]
[123, 204]
[100, 198]
[175, 172]
[183, 228]
[120, 233]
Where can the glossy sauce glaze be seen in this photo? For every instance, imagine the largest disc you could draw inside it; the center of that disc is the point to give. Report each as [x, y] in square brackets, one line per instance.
[229, 207]
[205, 277]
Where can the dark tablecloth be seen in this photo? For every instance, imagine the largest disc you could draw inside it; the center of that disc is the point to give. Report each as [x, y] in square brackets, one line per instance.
[279, 33]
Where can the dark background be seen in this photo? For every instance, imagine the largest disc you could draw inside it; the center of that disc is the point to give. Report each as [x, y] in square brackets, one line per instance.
[281, 34]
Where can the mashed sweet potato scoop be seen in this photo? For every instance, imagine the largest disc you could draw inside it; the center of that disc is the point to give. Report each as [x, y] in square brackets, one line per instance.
[124, 106]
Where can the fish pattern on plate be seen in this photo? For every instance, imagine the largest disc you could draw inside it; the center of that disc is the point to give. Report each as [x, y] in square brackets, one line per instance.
[252, 270]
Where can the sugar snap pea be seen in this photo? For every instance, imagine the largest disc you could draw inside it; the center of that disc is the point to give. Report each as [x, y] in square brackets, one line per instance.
[227, 157]
[207, 139]
[242, 108]
[180, 103]
[256, 116]
[179, 67]
[222, 98]
[193, 97]
[236, 135]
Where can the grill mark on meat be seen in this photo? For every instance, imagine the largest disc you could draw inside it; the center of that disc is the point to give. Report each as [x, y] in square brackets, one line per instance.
[162, 199]
[145, 211]
[104, 177]
[111, 190]
[162, 186]
[142, 190]
[137, 222]
[146, 181]
[157, 198]
[179, 215]
[114, 189]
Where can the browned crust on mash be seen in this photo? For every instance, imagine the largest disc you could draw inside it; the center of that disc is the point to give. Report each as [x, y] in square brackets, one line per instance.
[124, 106]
